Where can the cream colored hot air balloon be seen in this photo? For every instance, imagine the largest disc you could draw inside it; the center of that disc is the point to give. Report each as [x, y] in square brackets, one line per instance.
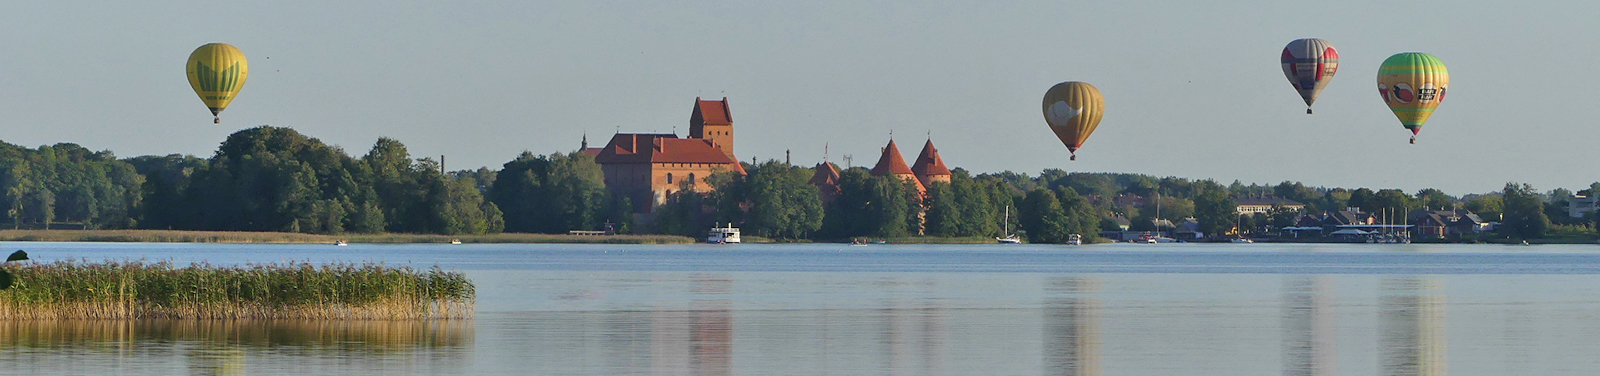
[1309, 64]
[217, 72]
[1073, 110]
[1413, 84]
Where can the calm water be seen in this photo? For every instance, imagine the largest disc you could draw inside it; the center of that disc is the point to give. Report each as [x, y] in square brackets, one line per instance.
[1169, 309]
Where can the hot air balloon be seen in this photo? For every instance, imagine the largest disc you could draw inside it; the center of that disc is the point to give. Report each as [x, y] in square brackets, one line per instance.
[217, 72]
[1309, 64]
[1413, 84]
[1073, 109]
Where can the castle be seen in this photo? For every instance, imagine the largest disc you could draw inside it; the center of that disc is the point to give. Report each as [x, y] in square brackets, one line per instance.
[648, 167]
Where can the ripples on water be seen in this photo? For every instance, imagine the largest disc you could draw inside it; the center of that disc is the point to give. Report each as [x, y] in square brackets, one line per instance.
[897, 310]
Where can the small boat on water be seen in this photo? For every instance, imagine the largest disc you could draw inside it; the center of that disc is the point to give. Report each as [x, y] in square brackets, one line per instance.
[1241, 241]
[1005, 228]
[340, 243]
[723, 234]
[455, 241]
[1074, 239]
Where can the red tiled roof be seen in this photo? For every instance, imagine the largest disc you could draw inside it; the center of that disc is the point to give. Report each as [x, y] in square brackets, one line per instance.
[826, 175]
[713, 112]
[891, 162]
[661, 148]
[929, 163]
[591, 151]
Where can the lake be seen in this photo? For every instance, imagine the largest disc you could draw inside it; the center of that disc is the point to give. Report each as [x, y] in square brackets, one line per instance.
[1167, 309]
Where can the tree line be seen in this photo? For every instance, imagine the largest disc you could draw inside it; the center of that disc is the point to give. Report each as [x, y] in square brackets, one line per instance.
[276, 179]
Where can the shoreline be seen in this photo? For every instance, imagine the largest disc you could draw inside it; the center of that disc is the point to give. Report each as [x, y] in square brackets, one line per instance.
[186, 236]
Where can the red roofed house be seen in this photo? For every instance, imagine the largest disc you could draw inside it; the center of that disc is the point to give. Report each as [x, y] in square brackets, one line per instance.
[929, 168]
[647, 167]
[892, 164]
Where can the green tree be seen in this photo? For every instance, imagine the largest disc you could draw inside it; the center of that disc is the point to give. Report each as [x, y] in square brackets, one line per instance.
[1215, 212]
[552, 194]
[1434, 199]
[1043, 217]
[781, 203]
[1524, 213]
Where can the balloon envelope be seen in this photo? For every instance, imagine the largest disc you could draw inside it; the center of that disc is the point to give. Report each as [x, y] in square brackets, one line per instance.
[1072, 110]
[216, 72]
[1309, 64]
[1413, 84]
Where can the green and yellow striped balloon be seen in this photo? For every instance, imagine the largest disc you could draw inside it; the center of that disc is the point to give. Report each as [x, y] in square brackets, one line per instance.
[217, 72]
[1413, 84]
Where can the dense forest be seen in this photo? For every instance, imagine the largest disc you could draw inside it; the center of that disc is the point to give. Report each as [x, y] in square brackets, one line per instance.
[276, 179]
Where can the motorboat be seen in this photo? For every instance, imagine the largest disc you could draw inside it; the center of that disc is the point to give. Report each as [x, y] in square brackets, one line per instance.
[1241, 241]
[1074, 239]
[455, 241]
[723, 234]
[341, 243]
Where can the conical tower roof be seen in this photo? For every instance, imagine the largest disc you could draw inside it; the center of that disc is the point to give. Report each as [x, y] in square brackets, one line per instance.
[826, 174]
[891, 163]
[929, 163]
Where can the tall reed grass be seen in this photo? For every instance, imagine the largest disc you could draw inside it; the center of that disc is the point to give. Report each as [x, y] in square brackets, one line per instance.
[160, 290]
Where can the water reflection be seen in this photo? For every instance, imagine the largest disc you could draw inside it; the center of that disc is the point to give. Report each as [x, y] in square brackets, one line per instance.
[698, 341]
[1411, 315]
[344, 336]
[1308, 348]
[915, 331]
[1072, 335]
[231, 347]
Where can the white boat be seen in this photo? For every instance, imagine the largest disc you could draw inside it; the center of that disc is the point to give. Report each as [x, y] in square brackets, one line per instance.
[455, 241]
[341, 243]
[1074, 239]
[1005, 228]
[1242, 241]
[723, 235]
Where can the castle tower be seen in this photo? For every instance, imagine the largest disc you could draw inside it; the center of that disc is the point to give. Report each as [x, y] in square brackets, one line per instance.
[929, 168]
[713, 121]
[891, 163]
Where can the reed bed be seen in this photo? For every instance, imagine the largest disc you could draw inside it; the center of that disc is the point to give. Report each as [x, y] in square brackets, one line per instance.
[180, 236]
[160, 290]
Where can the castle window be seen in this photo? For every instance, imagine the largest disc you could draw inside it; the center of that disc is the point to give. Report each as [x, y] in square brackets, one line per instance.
[669, 178]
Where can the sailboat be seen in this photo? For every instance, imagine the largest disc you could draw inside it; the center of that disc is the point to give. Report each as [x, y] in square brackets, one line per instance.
[1005, 229]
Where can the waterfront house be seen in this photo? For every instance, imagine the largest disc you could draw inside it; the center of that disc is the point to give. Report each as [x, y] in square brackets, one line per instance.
[1252, 205]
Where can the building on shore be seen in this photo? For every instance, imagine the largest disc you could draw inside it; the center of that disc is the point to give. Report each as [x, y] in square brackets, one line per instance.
[1252, 205]
[648, 168]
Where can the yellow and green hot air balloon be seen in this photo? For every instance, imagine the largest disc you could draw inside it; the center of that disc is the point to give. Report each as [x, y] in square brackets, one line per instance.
[217, 72]
[1413, 84]
[1073, 110]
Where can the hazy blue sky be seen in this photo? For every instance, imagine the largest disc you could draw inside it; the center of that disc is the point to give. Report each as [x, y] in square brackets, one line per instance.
[1193, 89]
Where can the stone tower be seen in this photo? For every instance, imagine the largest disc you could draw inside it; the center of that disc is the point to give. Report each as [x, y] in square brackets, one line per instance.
[713, 121]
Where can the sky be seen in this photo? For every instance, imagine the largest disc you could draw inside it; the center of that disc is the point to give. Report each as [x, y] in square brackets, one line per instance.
[1192, 89]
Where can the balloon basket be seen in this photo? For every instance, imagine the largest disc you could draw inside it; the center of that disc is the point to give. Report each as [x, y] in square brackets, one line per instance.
[1073, 158]
[1413, 140]
[1308, 111]
[216, 120]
